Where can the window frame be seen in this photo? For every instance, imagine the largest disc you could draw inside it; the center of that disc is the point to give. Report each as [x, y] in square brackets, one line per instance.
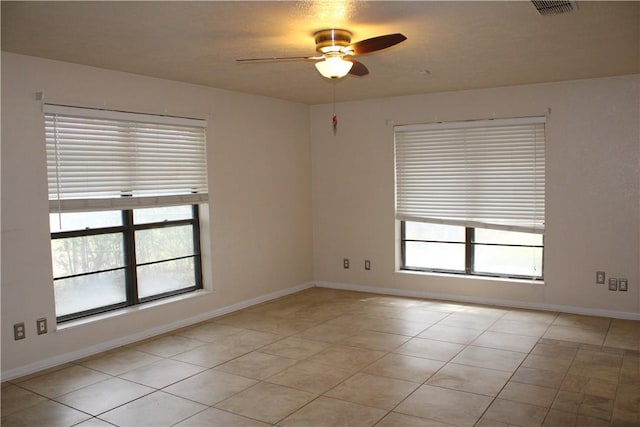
[476, 174]
[128, 230]
[109, 160]
[469, 245]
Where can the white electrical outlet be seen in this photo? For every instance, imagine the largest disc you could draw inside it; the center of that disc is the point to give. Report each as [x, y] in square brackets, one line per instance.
[623, 285]
[41, 326]
[18, 331]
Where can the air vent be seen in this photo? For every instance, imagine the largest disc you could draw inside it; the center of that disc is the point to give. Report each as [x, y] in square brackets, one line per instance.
[554, 7]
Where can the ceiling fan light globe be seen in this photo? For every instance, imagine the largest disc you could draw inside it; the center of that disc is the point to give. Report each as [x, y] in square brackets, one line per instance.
[334, 68]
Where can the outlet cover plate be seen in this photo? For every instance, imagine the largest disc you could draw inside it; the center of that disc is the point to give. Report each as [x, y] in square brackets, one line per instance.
[613, 284]
[41, 326]
[18, 331]
[623, 285]
[345, 263]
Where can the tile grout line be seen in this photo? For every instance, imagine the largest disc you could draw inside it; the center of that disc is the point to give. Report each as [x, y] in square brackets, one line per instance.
[439, 369]
[323, 394]
[514, 372]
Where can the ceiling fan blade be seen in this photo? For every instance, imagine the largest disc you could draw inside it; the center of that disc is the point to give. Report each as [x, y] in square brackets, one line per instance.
[376, 43]
[358, 68]
[280, 58]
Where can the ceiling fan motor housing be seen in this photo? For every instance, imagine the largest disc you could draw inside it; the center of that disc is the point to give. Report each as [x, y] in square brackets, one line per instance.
[333, 40]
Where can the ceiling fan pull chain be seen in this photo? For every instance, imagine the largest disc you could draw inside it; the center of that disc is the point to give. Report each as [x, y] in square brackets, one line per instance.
[334, 118]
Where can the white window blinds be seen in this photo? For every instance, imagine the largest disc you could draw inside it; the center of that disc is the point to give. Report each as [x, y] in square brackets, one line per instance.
[487, 173]
[103, 160]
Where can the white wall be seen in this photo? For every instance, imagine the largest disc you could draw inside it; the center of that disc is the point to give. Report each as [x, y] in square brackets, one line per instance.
[592, 191]
[259, 238]
[259, 229]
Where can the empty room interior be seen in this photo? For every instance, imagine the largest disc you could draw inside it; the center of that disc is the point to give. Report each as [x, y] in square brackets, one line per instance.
[320, 213]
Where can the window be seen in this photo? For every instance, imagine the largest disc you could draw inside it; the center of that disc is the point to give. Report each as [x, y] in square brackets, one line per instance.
[470, 197]
[469, 250]
[124, 194]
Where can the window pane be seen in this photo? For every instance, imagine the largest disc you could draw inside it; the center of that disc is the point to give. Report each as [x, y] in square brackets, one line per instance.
[440, 256]
[158, 244]
[85, 254]
[508, 260]
[166, 276]
[427, 231]
[169, 213]
[485, 235]
[88, 292]
[82, 220]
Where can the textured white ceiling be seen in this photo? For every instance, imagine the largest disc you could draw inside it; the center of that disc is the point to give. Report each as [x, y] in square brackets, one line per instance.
[450, 45]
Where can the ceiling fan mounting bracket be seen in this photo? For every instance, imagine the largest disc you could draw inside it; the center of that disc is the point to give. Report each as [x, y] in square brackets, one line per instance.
[332, 40]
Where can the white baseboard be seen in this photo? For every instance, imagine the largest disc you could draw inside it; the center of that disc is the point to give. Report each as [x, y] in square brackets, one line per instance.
[161, 329]
[587, 311]
[89, 351]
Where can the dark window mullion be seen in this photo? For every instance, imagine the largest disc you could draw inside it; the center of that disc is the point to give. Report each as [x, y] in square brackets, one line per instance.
[160, 261]
[196, 247]
[89, 273]
[509, 245]
[130, 257]
[164, 224]
[434, 241]
[542, 261]
[403, 245]
[86, 232]
[469, 252]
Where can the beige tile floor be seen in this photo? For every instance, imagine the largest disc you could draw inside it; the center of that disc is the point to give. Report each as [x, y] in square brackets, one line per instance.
[324, 357]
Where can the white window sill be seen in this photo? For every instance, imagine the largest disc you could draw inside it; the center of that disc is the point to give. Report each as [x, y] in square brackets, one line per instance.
[470, 277]
[127, 310]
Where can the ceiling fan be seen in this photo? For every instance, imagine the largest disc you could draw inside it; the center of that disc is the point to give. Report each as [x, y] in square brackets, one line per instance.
[337, 52]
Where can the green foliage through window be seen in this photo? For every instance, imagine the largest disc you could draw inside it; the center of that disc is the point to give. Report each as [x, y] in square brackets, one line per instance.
[101, 264]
